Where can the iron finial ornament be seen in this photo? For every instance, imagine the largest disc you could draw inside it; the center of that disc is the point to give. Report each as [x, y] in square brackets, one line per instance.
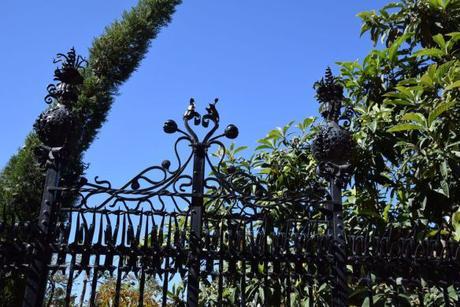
[329, 93]
[68, 78]
[211, 117]
[54, 125]
[332, 146]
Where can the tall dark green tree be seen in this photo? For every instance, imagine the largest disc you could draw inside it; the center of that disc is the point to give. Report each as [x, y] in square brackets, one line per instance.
[113, 57]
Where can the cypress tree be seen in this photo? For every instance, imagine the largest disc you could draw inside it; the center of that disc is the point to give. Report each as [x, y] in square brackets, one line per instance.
[113, 57]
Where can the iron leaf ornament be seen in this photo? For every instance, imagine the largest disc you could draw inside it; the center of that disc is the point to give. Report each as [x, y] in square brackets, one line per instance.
[333, 145]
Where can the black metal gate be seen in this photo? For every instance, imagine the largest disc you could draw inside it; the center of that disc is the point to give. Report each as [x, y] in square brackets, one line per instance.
[200, 231]
[175, 226]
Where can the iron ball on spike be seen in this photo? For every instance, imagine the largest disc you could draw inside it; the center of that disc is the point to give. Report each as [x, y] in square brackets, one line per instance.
[170, 126]
[231, 132]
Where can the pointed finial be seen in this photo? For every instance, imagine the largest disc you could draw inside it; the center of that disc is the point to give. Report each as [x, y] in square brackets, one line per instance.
[68, 77]
[329, 93]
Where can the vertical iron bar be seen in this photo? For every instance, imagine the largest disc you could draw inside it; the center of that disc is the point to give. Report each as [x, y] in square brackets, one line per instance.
[116, 302]
[68, 293]
[445, 293]
[266, 290]
[339, 291]
[94, 282]
[220, 282]
[196, 224]
[287, 271]
[36, 282]
[167, 266]
[243, 268]
[97, 261]
[369, 288]
[142, 288]
[310, 294]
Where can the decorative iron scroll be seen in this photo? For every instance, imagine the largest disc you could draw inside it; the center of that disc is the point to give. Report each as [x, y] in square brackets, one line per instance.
[175, 182]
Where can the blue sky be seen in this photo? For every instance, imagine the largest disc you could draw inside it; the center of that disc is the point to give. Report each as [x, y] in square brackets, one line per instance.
[259, 57]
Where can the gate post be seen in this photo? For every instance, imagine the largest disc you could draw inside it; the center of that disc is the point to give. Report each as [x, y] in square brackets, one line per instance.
[57, 129]
[339, 294]
[193, 288]
[36, 282]
[332, 149]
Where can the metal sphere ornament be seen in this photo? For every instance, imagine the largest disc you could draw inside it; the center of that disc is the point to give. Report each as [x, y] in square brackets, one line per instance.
[332, 144]
[231, 132]
[170, 126]
[54, 125]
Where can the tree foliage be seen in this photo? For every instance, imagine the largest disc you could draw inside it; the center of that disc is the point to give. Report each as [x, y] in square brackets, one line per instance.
[405, 95]
[113, 57]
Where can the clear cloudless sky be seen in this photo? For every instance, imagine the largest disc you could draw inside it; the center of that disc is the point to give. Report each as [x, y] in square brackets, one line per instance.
[260, 57]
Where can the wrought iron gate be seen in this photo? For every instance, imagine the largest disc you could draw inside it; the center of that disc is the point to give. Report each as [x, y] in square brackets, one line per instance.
[173, 224]
[200, 230]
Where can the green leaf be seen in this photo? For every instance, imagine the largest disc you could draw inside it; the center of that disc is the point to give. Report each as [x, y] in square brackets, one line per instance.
[241, 148]
[386, 212]
[260, 268]
[393, 5]
[366, 302]
[444, 168]
[426, 81]
[443, 69]
[404, 127]
[393, 50]
[416, 117]
[452, 293]
[456, 224]
[260, 147]
[441, 108]
[454, 38]
[306, 123]
[430, 52]
[444, 188]
[366, 15]
[439, 39]
[451, 86]
[400, 102]
[286, 128]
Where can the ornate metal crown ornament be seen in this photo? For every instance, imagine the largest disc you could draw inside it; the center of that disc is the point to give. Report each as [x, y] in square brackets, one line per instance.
[212, 115]
[54, 125]
[333, 145]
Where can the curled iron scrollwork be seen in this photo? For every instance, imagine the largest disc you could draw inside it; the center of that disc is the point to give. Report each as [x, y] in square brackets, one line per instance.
[171, 182]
